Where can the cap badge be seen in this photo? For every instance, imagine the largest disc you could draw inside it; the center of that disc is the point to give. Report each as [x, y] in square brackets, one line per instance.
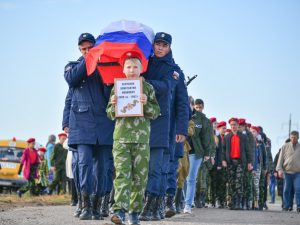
[163, 35]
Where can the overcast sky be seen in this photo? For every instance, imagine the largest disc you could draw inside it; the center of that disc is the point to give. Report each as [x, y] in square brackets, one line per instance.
[246, 55]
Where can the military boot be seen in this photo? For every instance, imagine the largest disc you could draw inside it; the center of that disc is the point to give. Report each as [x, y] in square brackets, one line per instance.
[74, 198]
[96, 205]
[239, 203]
[155, 209]
[162, 207]
[105, 205]
[248, 203]
[178, 197]
[233, 205]
[86, 213]
[202, 199]
[79, 207]
[146, 214]
[170, 209]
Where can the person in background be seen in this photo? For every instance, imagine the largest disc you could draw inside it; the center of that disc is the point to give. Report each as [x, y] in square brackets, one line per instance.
[289, 166]
[43, 171]
[29, 163]
[49, 149]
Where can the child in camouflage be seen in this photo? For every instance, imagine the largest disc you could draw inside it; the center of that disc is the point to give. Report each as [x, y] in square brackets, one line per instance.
[131, 149]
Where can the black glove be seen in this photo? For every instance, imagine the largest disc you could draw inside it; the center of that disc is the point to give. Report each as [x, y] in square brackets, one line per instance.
[20, 169]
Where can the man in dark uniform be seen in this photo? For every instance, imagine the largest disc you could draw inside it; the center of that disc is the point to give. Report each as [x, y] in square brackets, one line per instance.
[58, 163]
[162, 76]
[236, 156]
[90, 131]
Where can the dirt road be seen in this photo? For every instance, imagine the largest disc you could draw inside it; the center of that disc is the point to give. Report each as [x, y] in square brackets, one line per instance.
[63, 215]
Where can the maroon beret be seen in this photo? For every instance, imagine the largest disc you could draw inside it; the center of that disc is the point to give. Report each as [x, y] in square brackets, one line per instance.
[221, 124]
[41, 149]
[233, 119]
[242, 122]
[30, 140]
[255, 128]
[62, 134]
[213, 119]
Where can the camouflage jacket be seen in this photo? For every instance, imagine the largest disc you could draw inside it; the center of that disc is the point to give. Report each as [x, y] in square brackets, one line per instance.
[135, 129]
[59, 156]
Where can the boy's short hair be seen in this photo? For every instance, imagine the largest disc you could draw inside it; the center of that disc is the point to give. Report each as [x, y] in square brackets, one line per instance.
[135, 60]
[199, 101]
[295, 133]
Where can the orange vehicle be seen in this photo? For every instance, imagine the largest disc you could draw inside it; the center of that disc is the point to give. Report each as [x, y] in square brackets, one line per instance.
[10, 155]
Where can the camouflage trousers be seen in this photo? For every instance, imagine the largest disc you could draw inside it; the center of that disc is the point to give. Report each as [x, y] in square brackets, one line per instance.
[183, 170]
[60, 180]
[248, 184]
[256, 179]
[30, 185]
[261, 190]
[236, 179]
[218, 185]
[131, 161]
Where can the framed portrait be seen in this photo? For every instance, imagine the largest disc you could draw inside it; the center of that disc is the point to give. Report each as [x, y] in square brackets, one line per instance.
[128, 92]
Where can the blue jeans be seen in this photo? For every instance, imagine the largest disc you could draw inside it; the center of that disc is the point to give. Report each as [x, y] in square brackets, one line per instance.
[272, 188]
[195, 164]
[75, 170]
[155, 168]
[290, 181]
[92, 168]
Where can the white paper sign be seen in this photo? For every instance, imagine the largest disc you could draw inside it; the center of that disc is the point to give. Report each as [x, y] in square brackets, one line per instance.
[128, 92]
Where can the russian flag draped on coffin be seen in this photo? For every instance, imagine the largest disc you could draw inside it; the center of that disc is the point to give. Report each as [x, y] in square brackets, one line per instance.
[115, 43]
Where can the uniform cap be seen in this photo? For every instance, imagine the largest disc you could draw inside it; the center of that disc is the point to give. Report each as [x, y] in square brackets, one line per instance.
[255, 128]
[30, 140]
[221, 124]
[86, 37]
[62, 134]
[213, 119]
[164, 37]
[42, 149]
[242, 122]
[233, 119]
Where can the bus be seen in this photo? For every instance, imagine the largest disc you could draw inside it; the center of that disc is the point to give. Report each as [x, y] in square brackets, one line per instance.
[10, 154]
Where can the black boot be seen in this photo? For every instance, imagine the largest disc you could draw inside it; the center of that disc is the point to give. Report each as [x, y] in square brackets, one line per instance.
[248, 203]
[162, 207]
[96, 205]
[74, 198]
[170, 209]
[86, 213]
[155, 209]
[105, 205]
[239, 203]
[178, 197]
[202, 199]
[79, 207]
[146, 214]
[233, 205]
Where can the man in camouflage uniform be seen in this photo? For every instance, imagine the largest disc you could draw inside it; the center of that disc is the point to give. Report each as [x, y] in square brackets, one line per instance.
[58, 163]
[236, 156]
[247, 196]
[131, 150]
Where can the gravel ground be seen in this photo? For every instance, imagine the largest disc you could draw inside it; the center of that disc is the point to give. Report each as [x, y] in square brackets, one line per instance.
[63, 215]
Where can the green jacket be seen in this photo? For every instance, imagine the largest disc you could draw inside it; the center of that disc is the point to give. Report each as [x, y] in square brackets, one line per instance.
[135, 129]
[43, 173]
[59, 156]
[202, 138]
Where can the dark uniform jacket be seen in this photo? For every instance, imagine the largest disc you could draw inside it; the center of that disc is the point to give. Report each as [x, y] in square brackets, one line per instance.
[219, 152]
[88, 122]
[160, 74]
[246, 155]
[201, 140]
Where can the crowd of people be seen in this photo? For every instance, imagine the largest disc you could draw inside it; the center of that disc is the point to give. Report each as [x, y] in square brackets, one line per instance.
[169, 160]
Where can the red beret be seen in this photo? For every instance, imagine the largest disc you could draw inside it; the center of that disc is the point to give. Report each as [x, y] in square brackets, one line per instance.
[242, 122]
[128, 55]
[62, 134]
[213, 119]
[233, 119]
[228, 130]
[249, 125]
[30, 140]
[255, 128]
[41, 149]
[221, 124]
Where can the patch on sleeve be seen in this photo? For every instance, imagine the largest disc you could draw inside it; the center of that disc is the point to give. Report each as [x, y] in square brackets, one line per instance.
[176, 75]
[67, 68]
[198, 125]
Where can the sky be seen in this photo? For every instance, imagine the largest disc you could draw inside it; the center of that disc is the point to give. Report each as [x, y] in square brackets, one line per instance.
[246, 55]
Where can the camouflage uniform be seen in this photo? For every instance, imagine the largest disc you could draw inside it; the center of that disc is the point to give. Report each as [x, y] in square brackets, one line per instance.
[58, 160]
[263, 177]
[43, 175]
[131, 153]
[248, 176]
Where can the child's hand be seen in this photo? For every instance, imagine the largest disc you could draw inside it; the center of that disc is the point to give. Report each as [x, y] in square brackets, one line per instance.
[143, 99]
[113, 99]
